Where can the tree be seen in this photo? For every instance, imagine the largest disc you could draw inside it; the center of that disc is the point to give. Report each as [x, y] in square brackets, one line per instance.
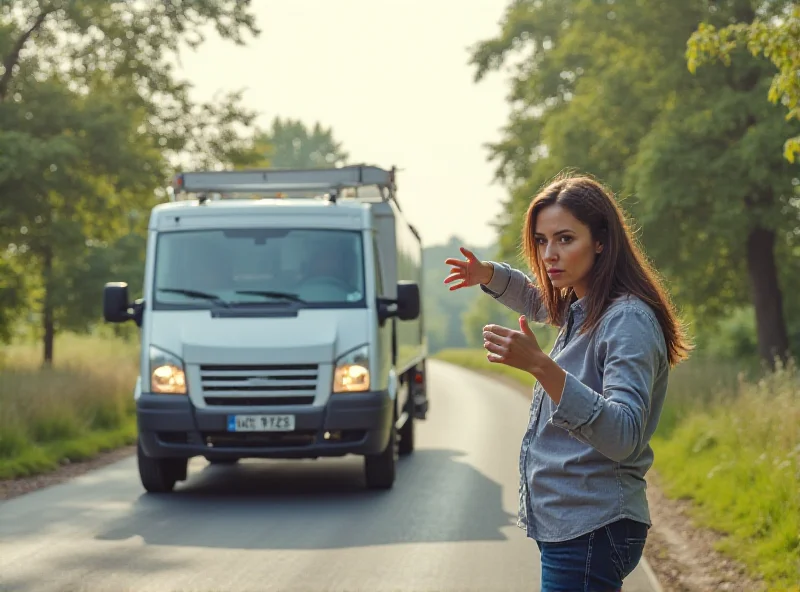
[776, 36]
[91, 121]
[293, 145]
[604, 88]
[130, 43]
[79, 167]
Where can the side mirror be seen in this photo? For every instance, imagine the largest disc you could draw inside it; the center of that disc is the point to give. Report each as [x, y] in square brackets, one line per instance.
[115, 302]
[408, 300]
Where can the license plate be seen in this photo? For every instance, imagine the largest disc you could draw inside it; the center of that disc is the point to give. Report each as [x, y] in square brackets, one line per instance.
[260, 423]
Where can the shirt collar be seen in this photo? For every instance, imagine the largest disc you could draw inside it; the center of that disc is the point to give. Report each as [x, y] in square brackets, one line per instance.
[578, 308]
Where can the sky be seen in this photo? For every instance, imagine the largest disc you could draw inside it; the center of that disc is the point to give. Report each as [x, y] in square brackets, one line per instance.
[392, 79]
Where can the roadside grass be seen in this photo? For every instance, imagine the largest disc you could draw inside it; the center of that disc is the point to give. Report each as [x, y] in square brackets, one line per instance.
[730, 443]
[81, 406]
[738, 460]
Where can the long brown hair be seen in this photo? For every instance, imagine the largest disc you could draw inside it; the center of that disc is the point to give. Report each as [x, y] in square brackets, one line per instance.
[620, 269]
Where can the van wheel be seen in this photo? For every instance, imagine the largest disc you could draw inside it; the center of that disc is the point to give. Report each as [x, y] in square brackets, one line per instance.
[380, 469]
[159, 475]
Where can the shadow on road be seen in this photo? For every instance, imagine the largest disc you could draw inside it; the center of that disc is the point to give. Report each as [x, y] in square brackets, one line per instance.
[321, 505]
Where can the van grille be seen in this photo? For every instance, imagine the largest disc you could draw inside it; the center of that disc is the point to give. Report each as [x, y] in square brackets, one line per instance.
[257, 385]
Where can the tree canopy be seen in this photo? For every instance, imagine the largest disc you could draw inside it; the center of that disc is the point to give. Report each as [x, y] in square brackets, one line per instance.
[604, 88]
[92, 120]
[291, 144]
[775, 34]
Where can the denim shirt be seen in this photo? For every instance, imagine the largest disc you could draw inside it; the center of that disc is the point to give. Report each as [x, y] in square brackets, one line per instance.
[582, 462]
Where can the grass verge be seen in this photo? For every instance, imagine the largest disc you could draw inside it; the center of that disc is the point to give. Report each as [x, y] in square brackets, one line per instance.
[738, 460]
[732, 447]
[81, 406]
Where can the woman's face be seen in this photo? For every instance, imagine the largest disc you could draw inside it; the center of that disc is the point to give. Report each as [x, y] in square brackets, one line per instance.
[566, 247]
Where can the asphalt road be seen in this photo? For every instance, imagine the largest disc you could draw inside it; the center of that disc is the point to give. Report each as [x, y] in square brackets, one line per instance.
[448, 524]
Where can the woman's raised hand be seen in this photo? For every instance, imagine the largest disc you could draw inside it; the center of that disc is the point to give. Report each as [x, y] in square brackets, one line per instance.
[469, 273]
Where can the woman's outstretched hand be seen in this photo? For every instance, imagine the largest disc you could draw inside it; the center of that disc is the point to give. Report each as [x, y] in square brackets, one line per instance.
[470, 272]
[517, 348]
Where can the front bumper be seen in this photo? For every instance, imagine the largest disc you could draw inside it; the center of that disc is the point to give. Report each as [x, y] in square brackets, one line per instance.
[170, 426]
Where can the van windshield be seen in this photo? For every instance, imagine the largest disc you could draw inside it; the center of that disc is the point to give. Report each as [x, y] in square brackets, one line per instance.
[244, 267]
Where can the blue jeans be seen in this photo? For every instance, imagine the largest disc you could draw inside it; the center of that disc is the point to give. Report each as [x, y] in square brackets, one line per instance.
[595, 562]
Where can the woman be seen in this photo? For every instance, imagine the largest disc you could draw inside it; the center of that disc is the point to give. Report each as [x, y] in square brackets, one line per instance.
[598, 394]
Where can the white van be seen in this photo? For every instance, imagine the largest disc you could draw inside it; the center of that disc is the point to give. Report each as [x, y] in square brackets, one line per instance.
[281, 318]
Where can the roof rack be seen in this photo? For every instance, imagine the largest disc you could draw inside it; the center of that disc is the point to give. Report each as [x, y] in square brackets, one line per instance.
[306, 182]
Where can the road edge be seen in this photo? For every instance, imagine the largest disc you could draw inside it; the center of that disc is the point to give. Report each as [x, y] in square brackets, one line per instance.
[11, 488]
[651, 575]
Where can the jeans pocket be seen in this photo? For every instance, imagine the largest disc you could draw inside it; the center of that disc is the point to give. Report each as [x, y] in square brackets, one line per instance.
[635, 549]
[626, 551]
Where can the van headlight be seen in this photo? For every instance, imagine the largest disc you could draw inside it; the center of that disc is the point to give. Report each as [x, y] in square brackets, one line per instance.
[351, 374]
[167, 374]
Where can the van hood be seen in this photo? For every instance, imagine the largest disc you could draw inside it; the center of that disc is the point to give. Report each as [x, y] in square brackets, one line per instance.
[313, 336]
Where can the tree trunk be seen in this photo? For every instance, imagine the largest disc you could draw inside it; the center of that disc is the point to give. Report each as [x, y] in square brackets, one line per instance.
[773, 340]
[47, 309]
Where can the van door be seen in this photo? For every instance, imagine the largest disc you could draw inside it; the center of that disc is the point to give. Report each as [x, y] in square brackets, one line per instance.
[386, 342]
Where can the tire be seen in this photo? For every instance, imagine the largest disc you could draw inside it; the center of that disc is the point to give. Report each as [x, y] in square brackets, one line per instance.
[159, 475]
[406, 446]
[380, 469]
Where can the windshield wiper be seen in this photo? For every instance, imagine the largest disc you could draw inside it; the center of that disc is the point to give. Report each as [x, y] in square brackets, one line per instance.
[197, 294]
[269, 294]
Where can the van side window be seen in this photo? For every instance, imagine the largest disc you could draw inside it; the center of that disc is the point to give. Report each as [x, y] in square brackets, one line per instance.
[378, 268]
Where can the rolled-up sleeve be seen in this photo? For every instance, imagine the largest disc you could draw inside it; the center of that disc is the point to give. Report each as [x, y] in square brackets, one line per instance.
[514, 289]
[631, 352]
